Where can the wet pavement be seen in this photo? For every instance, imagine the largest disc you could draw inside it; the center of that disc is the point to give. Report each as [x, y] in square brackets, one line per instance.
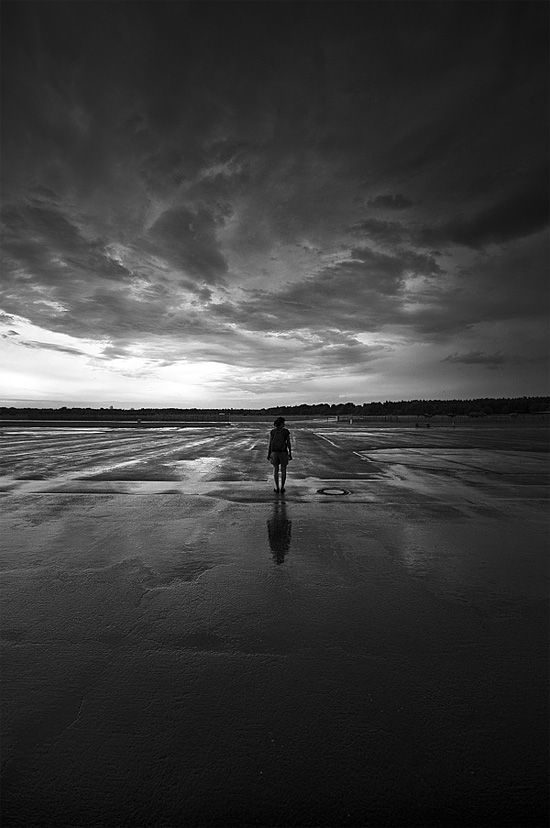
[182, 646]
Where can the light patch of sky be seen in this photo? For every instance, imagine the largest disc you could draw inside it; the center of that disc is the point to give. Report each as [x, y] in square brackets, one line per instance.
[28, 332]
[116, 252]
[413, 282]
[194, 374]
[226, 169]
[139, 289]
[22, 383]
[50, 303]
[373, 340]
[335, 257]
[58, 261]
[135, 260]
[47, 376]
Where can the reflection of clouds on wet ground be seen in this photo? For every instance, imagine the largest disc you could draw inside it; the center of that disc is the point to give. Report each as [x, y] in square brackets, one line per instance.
[411, 619]
[279, 529]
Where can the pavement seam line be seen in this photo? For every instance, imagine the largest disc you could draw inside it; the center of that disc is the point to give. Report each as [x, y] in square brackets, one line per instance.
[326, 438]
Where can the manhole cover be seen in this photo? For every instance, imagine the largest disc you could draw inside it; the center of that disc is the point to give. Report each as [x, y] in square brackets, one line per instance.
[333, 491]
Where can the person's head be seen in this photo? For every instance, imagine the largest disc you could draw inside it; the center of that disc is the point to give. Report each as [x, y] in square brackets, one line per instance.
[279, 422]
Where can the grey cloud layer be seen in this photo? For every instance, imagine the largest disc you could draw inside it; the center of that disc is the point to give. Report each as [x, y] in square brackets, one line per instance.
[477, 358]
[391, 201]
[49, 346]
[519, 215]
[198, 185]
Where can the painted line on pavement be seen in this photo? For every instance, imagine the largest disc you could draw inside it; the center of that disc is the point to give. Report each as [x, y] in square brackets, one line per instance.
[326, 438]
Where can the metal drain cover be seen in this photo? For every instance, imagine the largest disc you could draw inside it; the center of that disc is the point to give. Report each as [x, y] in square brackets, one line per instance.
[332, 491]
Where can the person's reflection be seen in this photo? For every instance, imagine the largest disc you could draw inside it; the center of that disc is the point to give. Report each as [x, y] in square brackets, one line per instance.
[279, 528]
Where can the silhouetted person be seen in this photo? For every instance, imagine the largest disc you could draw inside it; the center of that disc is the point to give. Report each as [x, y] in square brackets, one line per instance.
[279, 451]
[279, 529]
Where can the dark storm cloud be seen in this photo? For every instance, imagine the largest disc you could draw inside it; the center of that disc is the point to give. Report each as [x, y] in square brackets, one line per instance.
[391, 201]
[86, 308]
[369, 292]
[65, 281]
[200, 178]
[364, 292]
[386, 232]
[507, 285]
[477, 358]
[306, 355]
[188, 239]
[43, 241]
[517, 216]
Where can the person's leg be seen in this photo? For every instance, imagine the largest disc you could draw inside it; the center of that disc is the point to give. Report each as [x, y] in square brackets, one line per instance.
[276, 476]
[283, 476]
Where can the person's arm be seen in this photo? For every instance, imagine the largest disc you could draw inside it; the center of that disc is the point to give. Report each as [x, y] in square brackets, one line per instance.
[289, 446]
[269, 447]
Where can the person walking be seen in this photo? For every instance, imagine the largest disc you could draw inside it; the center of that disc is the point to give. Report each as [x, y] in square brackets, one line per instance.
[279, 451]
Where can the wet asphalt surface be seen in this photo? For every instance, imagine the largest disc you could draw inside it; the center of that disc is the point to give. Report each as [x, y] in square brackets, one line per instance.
[181, 646]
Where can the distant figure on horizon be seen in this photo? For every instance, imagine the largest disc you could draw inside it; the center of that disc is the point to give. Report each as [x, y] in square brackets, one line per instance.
[279, 451]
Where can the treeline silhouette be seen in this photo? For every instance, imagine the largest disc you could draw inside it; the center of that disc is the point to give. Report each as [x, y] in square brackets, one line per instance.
[480, 407]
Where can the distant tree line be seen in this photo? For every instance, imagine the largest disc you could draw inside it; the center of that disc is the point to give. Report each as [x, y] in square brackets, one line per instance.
[426, 408]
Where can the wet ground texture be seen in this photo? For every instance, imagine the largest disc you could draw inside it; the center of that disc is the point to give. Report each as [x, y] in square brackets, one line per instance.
[181, 646]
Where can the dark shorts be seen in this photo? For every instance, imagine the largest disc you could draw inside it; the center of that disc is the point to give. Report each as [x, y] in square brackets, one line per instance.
[279, 458]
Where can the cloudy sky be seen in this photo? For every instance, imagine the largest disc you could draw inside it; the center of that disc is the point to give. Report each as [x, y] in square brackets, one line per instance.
[246, 204]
